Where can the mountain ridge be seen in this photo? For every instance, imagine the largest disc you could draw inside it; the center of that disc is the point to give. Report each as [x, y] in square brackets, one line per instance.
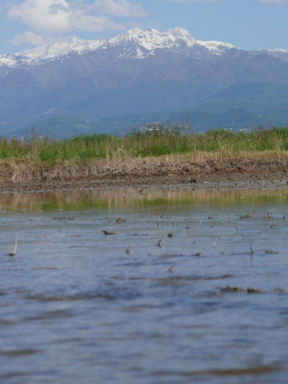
[138, 73]
[147, 41]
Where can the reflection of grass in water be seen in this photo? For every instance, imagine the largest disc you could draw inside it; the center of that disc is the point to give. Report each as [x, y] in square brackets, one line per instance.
[214, 199]
[266, 198]
[84, 200]
[56, 205]
[50, 205]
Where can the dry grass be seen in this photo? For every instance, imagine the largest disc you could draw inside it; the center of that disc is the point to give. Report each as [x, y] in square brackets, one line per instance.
[163, 153]
[200, 162]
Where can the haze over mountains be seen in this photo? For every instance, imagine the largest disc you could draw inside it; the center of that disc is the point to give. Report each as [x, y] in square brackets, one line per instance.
[93, 86]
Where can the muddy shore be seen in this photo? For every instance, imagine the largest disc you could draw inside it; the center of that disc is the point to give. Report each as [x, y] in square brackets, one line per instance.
[216, 171]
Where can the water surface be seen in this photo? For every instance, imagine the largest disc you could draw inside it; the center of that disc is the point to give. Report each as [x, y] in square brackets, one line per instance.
[144, 288]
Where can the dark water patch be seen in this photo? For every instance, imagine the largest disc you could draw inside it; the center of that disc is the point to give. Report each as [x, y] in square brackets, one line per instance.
[12, 375]
[221, 277]
[207, 307]
[4, 322]
[76, 297]
[253, 371]
[174, 281]
[280, 290]
[68, 340]
[138, 234]
[20, 352]
[143, 307]
[133, 264]
[117, 293]
[232, 289]
[50, 315]
[129, 278]
[45, 268]
[171, 255]
[184, 280]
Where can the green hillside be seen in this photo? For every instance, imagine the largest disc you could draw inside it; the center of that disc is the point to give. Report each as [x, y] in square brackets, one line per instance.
[242, 106]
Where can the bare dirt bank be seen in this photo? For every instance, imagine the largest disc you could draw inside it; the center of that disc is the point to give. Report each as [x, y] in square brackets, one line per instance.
[219, 171]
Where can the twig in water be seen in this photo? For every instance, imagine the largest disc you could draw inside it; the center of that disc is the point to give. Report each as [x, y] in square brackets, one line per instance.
[251, 253]
[14, 253]
[251, 248]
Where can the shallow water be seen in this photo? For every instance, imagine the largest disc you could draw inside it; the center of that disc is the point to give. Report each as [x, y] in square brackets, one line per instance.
[177, 289]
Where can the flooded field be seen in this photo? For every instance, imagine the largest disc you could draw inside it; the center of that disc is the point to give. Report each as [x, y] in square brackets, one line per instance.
[111, 287]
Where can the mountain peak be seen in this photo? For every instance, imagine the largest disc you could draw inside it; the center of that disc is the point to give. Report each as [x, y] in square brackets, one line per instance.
[148, 41]
[134, 43]
[153, 36]
[181, 33]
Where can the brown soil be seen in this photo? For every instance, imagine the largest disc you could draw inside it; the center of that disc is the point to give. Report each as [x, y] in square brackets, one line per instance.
[219, 171]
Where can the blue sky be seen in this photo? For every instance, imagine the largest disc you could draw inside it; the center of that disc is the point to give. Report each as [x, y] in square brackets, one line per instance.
[249, 24]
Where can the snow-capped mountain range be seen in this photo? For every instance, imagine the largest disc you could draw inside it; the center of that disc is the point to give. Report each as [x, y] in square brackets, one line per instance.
[139, 44]
[141, 73]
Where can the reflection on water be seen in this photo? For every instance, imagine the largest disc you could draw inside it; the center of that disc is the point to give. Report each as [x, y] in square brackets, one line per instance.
[139, 287]
[132, 198]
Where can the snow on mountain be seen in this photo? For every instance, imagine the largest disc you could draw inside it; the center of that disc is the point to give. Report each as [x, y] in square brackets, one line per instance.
[48, 52]
[277, 53]
[152, 39]
[8, 60]
[139, 44]
[134, 43]
[216, 47]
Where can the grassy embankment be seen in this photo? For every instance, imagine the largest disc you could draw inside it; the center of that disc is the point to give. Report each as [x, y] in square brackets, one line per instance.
[151, 144]
[163, 152]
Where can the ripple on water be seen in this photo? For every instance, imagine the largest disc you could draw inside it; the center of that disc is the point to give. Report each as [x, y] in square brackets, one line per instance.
[185, 292]
[254, 371]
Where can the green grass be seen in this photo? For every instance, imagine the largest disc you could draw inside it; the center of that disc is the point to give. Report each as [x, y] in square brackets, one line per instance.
[166, 141]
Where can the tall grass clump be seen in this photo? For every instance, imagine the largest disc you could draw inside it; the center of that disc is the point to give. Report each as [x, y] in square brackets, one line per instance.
[173, 139]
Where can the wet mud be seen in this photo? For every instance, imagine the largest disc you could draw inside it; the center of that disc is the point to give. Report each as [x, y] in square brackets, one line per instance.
[207, 171]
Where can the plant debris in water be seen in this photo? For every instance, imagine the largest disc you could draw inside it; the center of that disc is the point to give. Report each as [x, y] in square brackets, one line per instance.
[235, 289]
[107, 233]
